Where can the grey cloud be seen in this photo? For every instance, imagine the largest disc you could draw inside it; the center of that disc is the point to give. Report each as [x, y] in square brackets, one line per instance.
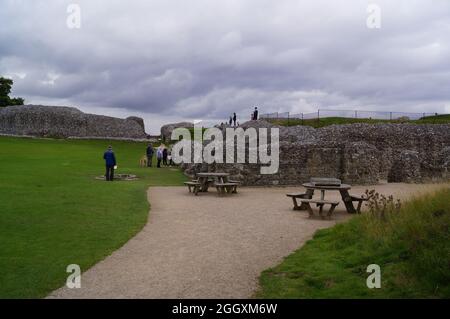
[207, 58]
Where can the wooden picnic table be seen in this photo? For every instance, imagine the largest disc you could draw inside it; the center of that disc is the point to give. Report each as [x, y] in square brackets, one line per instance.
[204, 179]
[343, 189]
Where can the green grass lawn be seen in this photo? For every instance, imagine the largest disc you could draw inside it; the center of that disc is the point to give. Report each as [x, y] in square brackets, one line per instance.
[411, 246]
[54, 213]
[326, 121]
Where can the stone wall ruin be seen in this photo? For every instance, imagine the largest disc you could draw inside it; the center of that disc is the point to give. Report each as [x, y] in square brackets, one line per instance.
[354, 153]
[64, 122]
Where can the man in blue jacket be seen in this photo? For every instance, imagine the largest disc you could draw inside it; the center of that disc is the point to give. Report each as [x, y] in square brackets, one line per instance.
[110, 161]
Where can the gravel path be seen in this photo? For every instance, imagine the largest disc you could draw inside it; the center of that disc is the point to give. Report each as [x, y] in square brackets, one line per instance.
[210, 246]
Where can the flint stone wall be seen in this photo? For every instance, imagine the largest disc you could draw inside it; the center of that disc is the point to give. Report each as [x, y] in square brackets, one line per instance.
[166, 130]
[64, 122]
[355, 153]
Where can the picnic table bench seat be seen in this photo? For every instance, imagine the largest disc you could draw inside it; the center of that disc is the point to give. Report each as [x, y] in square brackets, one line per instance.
[360, 200]
[224, 187]
[294, 197]
[320, 203]
[193, 184]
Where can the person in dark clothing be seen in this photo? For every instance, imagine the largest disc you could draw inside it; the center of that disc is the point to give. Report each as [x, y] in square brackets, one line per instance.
[234, 119]
[149, 155]
[255, 114]
[110, 162]
[230, 121]
[165, 153]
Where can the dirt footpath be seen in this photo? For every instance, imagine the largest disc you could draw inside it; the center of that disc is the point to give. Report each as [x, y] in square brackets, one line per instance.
[209, 246]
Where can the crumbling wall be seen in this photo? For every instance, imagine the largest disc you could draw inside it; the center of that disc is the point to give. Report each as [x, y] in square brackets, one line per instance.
[63, 122]
[355, 153]
[166, 130]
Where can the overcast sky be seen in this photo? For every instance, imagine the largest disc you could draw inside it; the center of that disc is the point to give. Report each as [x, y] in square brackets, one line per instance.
[170, 60]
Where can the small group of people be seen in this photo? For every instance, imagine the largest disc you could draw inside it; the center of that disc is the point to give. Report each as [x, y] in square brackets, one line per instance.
[163, 154]
[232, 120]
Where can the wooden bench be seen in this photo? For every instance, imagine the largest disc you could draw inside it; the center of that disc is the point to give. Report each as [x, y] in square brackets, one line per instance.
[294, 197]
[360, 200]
[238, 183]
[227, 187]
[320, 203]
[195, 185]
[205, 185]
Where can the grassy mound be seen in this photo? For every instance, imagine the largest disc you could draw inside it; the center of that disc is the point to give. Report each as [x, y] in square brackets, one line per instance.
[412, 247]
[54, 213]
[435, 119]
[326, 121]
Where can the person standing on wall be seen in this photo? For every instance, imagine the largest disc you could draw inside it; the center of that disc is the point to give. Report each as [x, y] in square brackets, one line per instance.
[230, 121]
[149, 155]
[234, 119]
[110, 162]
[255, 113]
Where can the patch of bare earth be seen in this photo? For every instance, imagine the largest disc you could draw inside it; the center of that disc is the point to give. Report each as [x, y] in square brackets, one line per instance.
[211, 247]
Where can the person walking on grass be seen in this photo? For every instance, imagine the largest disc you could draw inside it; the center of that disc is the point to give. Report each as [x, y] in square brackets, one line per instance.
[159, 155]
[149, 155]
[165, 153]
[169, 158]
[110, 162]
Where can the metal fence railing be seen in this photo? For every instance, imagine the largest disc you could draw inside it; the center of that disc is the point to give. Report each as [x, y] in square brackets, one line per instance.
[361, 114]
[319, 114]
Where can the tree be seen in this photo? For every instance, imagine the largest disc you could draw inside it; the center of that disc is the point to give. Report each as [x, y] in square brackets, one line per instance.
[5, 90]
[5, 86]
